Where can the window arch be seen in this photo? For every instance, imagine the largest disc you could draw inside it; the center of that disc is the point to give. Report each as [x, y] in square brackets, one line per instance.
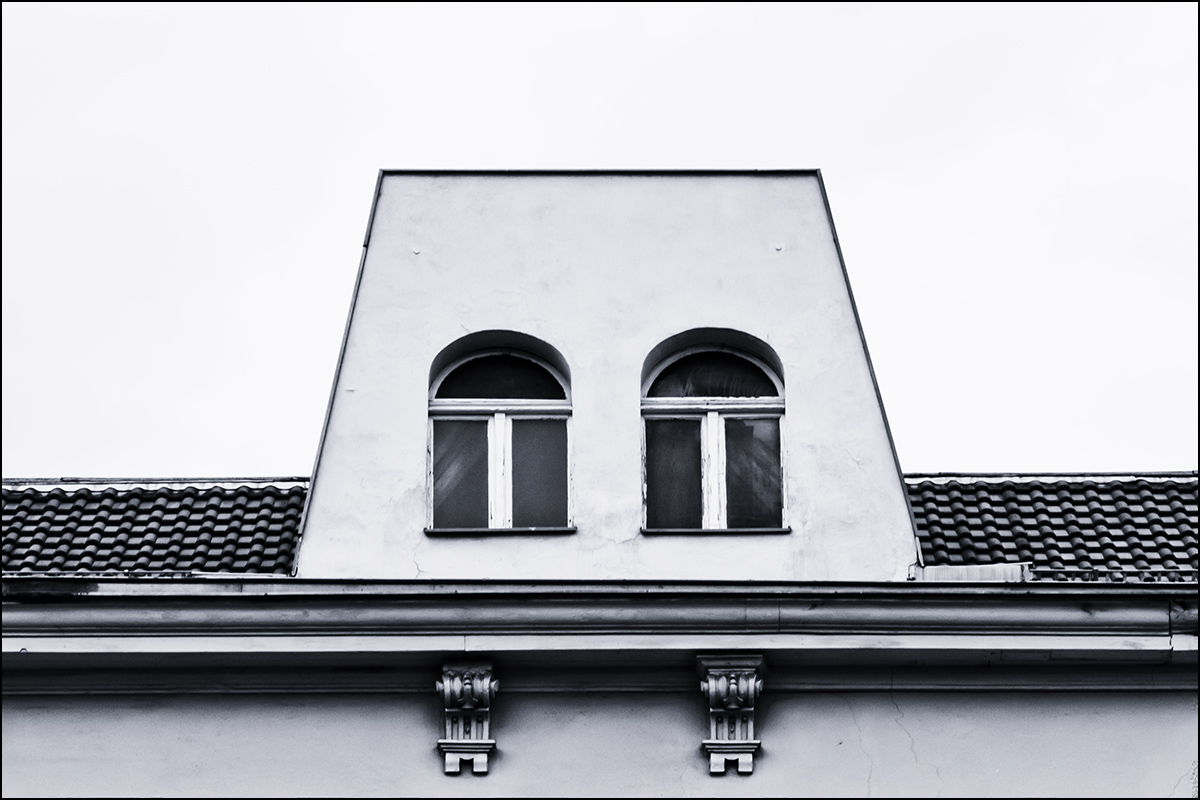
[499, 449]
[713, 444]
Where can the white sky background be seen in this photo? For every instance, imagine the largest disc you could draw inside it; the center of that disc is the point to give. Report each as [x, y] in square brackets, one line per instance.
[186, 190]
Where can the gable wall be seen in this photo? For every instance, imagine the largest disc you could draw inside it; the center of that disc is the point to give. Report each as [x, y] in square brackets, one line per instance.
[604, 268]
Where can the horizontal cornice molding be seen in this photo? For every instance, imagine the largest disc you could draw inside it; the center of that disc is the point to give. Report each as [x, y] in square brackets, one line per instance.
[206, 635]
[74, 616]
[146, 676]
[22, 586]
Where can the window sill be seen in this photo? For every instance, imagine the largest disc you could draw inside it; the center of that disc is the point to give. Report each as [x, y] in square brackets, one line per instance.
[710, 531]
[499, 531]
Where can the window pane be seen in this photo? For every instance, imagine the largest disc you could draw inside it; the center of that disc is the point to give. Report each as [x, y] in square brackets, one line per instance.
[713, 374]
[501, 377]
[539, 473]
[460, 474]
[753, 488]
[673, 497]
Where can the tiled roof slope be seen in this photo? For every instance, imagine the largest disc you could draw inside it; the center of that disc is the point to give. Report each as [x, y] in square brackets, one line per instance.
[1107, 528]
[248, 527]
[1137, 528]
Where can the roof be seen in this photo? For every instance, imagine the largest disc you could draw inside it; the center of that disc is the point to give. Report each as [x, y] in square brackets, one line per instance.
[1126, 528]
[117, 527]
[1066, 527]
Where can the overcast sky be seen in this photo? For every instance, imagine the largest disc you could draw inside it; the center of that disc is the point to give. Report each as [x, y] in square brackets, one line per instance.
[186, 190]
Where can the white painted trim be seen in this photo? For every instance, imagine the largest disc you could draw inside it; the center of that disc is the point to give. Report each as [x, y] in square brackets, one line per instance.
[974, 573]
[712, 411]
[713, 461]
[712, 470]
[496, 447]
[429, 473]
[673, 405]
[570, 472]
[783, 476]
[499, 412]
[522, 407]
[499, 460]
[1149, 649]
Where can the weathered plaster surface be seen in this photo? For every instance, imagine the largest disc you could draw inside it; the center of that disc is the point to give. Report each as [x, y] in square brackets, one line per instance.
[604, 268]
[1103, 744]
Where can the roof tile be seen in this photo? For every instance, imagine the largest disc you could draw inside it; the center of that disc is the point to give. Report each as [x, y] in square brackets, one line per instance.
[163, 529]
[1083, 529]
[1130, 529]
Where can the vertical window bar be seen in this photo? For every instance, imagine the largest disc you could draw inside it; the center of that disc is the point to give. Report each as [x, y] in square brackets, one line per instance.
[506, 518]
[713, 465]
[499, 477]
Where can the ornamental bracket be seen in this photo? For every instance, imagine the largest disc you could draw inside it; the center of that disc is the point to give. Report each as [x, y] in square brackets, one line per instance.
[467, 690]
[732, 684]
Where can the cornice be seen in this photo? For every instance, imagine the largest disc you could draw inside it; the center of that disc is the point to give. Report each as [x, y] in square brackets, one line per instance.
[852, 622]
[17, 586]
[80, 636]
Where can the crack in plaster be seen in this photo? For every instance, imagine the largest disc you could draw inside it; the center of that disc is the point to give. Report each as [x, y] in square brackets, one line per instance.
[912, 744]
[1181, 777]
[418, 566]
[871, 768]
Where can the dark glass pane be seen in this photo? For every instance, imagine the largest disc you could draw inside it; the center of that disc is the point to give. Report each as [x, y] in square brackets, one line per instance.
[713, 374]
[460, 474]
[539, 473]
[753, 489]
[501, 377]
[673, 498]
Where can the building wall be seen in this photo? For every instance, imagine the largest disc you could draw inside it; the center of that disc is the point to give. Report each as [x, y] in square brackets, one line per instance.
[604, 268]
[590, 744]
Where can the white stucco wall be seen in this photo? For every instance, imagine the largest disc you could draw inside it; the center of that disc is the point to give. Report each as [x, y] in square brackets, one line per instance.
[1102, 744]
[604, 268]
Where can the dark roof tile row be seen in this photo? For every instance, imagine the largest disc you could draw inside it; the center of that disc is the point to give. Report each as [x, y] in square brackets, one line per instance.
[241, 529]
[1129, 529]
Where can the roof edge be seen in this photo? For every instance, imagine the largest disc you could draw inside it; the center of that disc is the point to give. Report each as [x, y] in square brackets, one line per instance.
[716, 173]
[77, 484]
[1031, 477]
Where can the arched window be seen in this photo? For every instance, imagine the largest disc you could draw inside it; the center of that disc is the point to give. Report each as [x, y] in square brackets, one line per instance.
[713, 443]
[498, 445]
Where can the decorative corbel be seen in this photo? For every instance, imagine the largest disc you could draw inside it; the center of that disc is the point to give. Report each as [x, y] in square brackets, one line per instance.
[467, 690]
[732, 685]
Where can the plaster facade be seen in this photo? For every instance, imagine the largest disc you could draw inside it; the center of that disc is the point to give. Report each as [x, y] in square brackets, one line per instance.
[837, 744]
[604, 268]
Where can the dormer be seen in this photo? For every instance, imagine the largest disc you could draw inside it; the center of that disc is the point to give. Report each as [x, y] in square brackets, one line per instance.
[605, 376]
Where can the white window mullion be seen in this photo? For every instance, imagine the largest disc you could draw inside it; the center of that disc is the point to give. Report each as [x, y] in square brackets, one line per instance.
[506, 473]
[499, 473]
[717, 426]
[713, 470]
